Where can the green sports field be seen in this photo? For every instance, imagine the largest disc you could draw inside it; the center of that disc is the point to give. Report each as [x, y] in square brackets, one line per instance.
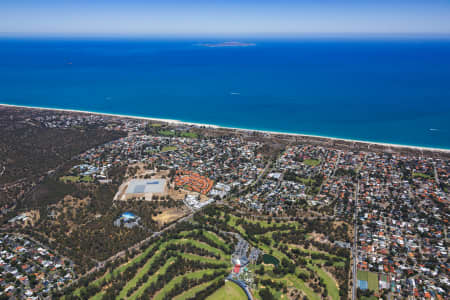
[230, 291]
[370, 277]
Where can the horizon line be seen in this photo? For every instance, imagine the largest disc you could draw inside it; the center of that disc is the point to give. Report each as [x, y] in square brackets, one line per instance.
[281, 35]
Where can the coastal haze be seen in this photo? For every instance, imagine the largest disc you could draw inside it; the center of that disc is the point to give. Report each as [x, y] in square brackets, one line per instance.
[389, 90]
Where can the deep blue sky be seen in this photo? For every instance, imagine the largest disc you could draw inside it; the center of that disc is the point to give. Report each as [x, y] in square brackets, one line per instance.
[222, 17]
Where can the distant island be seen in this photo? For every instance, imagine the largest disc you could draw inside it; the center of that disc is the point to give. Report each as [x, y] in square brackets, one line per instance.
[228, 44]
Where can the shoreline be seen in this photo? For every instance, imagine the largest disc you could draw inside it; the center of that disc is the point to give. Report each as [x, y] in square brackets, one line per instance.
[179, 122]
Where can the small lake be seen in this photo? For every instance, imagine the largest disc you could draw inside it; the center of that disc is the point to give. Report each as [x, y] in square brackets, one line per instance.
[269, 259]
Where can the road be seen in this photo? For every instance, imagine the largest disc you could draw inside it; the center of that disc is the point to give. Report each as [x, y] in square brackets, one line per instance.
[436, 174]
[355, 240]
[261, 175]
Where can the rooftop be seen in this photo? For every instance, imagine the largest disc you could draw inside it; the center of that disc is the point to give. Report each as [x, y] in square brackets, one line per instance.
[146, 186]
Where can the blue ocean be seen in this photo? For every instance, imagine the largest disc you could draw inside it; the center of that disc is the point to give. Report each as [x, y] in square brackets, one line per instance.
[383, 90]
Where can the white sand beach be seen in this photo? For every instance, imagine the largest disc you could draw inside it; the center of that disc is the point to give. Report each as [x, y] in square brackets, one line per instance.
[175, 122]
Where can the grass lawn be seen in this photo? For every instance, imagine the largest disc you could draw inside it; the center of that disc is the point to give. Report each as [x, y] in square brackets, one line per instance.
[305, 181]
[105, 279]
[232, 221]
[201, 245]
[264, 223]
[275, 252]
[332, 288]
[301, 285]
[191, 256]
[168, 148]
[136, 259]
[66, 179]
[167, 132]
[216, 239]
[311, 162]
[230, 291]
[190, 293]
[422, 175]
[362, 275]
[189, 135]
[169, 286]
[339, 264]
[310, 252]
[98, 296]
[151, 279]
[330, 283]
[87, 178]
[370, 277]
[373, 281]
[369, 298]
[108, 275]
[140, 273]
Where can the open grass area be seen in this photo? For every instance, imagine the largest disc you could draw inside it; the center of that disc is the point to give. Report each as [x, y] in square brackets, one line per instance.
[98, 296]
[152, 279]
[191, 293]
[301, 285]
[216, 239]
[310, 252]
[107, 276]
[178, 279]
[167, 133]
[332, 288]
[362, 275]
[72, 179]
[311, 162]
[306, 181]
[141, 272]
[368, 298]
[189, 135]
[86, 178]
[168, 148]
[370, 277]
[140, 275]
[202, 246]
[373, 281]
[262, 223]
[194, 247]
[292, 279]
[230, 291]
[339, 264]
[421, 175]
[199, 258]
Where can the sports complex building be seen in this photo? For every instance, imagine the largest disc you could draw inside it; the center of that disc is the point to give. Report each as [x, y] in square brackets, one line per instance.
[145, 188]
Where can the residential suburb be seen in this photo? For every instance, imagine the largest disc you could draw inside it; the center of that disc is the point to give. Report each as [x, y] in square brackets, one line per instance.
[108, 207]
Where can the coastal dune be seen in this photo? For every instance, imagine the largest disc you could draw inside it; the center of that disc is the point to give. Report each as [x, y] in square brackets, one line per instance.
[367, 144]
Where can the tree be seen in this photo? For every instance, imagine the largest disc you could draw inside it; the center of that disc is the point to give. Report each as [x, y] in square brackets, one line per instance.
[266, 294]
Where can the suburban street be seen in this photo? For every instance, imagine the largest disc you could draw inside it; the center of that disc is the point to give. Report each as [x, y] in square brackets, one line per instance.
[354, 248]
